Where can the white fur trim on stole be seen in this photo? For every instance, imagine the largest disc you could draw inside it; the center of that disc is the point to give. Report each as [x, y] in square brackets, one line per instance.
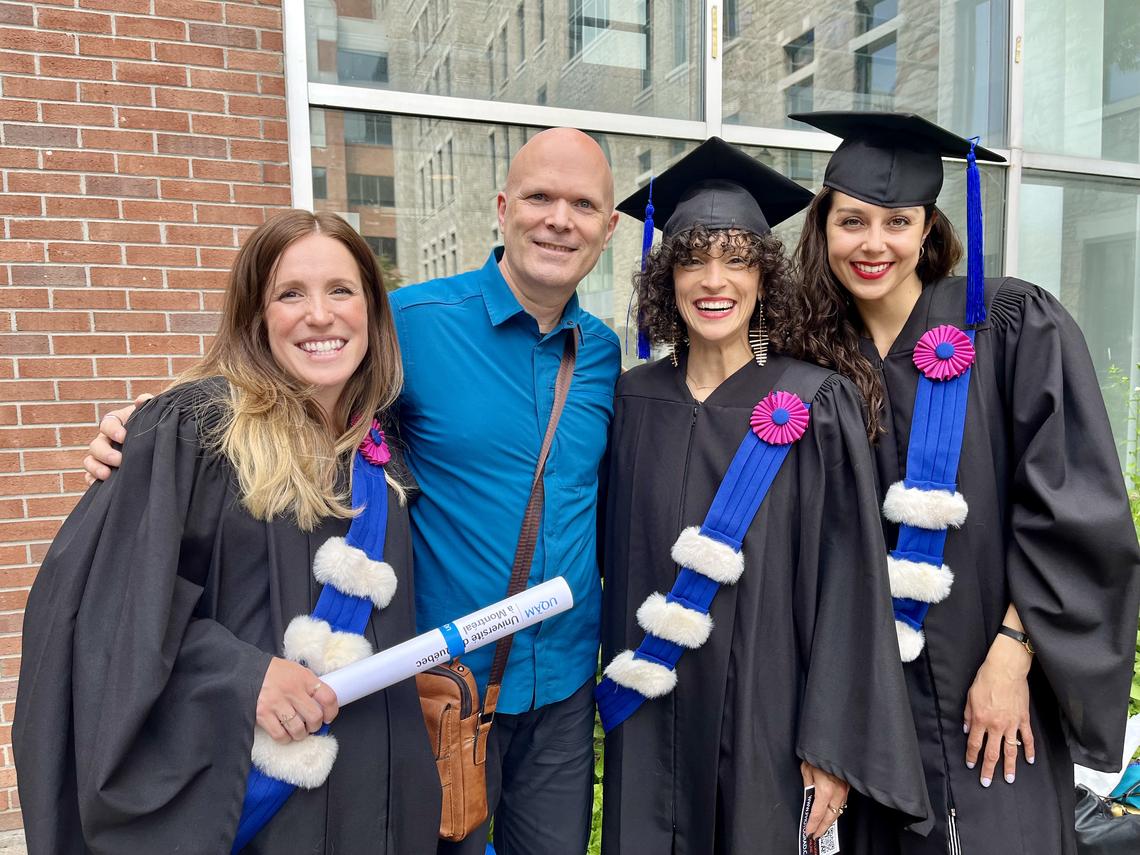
[929, 509]
[674, 622]
[305, 763]
[911, 641]
[351, 571]
[314, 643]
[917, 580]
[641, 675]
[719, 561]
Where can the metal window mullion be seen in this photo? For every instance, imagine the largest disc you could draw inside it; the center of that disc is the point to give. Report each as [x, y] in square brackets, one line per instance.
[1016, 121]
[297, 103]
[712, 52]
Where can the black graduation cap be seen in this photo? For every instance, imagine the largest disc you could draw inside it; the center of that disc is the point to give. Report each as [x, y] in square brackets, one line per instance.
[893, 160]
[720, 187]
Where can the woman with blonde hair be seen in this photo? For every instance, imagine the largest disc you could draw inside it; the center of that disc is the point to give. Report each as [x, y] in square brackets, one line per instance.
[162, 643]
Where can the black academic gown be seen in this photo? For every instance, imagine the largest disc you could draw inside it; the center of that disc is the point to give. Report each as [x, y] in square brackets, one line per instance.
[802, 662]
[146, 637]
[1048, 528]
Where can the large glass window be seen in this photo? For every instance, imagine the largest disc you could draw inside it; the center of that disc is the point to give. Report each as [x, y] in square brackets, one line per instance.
[944, 59]
[608, 55]
[1082, 78]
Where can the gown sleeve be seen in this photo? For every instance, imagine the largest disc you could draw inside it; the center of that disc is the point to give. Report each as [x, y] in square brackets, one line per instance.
[855, 719]
[135, 715]
[1072, 558]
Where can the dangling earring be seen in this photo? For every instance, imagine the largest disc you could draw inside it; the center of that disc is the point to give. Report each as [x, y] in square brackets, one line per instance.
[922, 250]
[758, 339]
[676, 340]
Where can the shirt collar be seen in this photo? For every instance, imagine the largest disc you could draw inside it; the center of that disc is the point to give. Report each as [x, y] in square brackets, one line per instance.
[501, 302]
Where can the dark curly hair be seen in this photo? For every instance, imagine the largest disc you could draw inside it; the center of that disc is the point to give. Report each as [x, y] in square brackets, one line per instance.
[656, 297]
[830, 324]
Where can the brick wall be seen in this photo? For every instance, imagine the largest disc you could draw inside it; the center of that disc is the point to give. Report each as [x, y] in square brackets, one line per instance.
[140, 141]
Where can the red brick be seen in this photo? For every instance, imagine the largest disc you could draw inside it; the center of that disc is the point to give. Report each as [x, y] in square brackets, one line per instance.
[248, 194]
[18, 158]
[200, 235]
[8, 415]
[122, 48]
[56, 368]
[27, 530]
[191, 100]
[116, 93]
[271, 84]
[237, 215]
[92, 390]
[274, 152]
[130, 322]
[52, 274]
[249, 105]
[226, 81]
[217, 258]
[12, 509]
[23, 251]
[227, 170]
[84, 253]
[9, 462]
[21, 206]
[253, 16]
[161, 167]
[71, 68]
[157, 120]
[132, 367]
[166, 344]
[90, 344]
[160, 211]
[253, 60]
[16, 13]
[199, 322]
[157, 387]
[18, 345]
[17, 63]
[229, 126]
[46, 229]
[183, 54]
[38, 89]
[118, 277]
[10, 555]
[27, 390]
[40, 136]
[49, 507]
[164, 256]
[78, 114]
[211, 34]
[270, 41]
[42, 182]
[79, 161]
[275, 173]
[140, 7]
[197, 145]
[197, 191]
[28, 437]
[155, 73]
[165, 300]
[88, 298]
[119, 186]
[119, 140]
[150, 28]
[194, 10]
[53, 321]
[36, 41]
[73, 22]
[27, 298]
[203, 279]
[81, 206]
[119, 232]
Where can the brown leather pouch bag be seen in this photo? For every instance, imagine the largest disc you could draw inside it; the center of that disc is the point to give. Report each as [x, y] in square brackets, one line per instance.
[457, 724]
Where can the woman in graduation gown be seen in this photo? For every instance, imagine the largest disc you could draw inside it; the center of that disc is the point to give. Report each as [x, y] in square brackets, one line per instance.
[153, 633]
[1024, 660]
[796, 683]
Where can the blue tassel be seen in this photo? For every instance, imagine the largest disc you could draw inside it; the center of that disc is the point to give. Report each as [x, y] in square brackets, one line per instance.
[975, 257]
[646, 245]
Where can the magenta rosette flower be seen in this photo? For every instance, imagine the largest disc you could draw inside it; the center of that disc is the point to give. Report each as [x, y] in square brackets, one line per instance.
[374, 446]
[943, 353]
[780, 419]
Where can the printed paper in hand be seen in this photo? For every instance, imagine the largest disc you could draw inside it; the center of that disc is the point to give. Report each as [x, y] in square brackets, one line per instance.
[828, 844]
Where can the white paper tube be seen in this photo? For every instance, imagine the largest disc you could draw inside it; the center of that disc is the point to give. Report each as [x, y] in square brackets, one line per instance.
[441, 645]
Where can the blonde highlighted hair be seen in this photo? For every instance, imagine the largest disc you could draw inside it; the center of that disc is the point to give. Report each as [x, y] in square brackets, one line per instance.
[272, 431]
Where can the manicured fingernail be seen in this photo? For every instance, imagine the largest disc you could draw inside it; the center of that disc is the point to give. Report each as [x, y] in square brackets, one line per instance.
[965, 727]
[986, 782]
[1030, 760]
[970, 765]
[1009, 779]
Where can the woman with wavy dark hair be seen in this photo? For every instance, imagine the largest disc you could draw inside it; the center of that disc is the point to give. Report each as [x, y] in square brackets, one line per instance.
[168, 687]
[746, 624]
[1014, 561]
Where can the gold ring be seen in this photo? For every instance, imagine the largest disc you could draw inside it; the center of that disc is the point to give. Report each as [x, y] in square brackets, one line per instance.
[1009, 741]
[316, 686]
[835, 811]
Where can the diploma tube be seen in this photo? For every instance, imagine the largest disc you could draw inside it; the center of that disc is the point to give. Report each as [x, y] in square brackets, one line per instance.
[478, 629]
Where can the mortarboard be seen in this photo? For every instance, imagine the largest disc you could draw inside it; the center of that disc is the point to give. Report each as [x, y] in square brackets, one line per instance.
[718, 186]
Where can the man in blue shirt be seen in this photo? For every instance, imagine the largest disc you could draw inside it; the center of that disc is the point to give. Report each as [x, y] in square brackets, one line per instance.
[481, 351]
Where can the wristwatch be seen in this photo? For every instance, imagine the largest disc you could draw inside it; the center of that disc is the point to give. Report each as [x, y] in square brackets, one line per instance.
[1020, 637]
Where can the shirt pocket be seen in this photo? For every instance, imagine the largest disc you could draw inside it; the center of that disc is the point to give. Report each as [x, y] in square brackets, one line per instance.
[580, 441]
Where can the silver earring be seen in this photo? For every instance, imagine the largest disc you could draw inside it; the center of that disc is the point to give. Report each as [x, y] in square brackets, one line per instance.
[758, 339]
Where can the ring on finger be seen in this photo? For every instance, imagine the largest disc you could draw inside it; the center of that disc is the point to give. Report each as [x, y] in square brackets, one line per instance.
[835, 810]
[285, 719]
[116, 417]
[1009, 741]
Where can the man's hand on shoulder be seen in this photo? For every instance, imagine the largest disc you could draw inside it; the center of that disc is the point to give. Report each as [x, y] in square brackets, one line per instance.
[102, 456]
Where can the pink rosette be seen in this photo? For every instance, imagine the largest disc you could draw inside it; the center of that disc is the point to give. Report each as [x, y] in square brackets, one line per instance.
[374, 446]
[780, 419]
[943, 353]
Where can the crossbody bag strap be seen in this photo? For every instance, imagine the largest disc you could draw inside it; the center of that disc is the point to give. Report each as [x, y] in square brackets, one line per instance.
[532, 519]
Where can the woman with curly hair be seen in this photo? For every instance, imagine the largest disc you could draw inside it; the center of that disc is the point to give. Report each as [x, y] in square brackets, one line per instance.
[1014, 560]
[740, 483]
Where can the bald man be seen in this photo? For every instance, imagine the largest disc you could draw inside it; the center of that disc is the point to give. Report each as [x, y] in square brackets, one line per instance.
[481, 352]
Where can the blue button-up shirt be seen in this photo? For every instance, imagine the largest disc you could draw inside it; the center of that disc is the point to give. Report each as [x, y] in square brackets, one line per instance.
[478, 390]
